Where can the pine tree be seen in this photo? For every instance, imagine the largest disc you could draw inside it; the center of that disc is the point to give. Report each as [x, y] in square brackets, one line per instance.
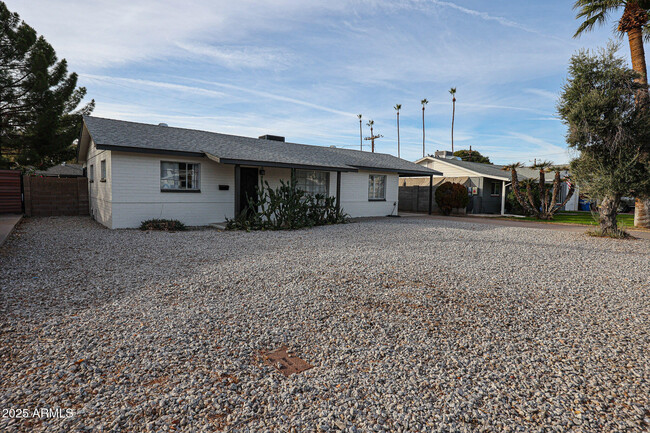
[38, 98]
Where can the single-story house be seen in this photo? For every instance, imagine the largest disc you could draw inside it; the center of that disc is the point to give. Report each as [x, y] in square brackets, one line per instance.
[139, 171]
[485, 182]
[65, 169]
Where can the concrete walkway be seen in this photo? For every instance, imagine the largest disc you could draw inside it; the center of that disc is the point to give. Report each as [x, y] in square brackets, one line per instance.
[7, 224]
[575, 228]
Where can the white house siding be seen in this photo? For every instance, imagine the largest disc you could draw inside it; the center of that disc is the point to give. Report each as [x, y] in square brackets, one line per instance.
[100, 193]
[354, 195]
[137, 196]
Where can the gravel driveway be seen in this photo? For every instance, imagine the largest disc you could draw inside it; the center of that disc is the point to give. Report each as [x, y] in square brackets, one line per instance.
[411, 324]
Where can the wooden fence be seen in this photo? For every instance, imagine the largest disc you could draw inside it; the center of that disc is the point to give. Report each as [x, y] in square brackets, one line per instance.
[11, 199]
[51, 196]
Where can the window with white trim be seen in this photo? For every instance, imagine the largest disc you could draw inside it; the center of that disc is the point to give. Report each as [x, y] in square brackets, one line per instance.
[179, 176]
[313, 181]
[376, 187]
[91, 173]
[102, 170]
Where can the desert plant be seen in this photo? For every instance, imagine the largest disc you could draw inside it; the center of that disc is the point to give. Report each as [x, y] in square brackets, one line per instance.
[163, 225]
[451, 196]
[538, 204]
[287, 208]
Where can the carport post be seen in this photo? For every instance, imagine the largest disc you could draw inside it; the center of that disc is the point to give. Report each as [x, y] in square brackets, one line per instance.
[338, 191]
[503, 198]
[430, 193]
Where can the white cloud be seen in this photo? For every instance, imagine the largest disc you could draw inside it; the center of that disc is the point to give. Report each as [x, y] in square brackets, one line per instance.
[238, 57]
[553, 96]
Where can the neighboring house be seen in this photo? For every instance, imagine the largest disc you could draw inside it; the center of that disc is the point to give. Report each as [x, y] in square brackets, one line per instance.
[62, 170]
[138, 171]
[485, 182]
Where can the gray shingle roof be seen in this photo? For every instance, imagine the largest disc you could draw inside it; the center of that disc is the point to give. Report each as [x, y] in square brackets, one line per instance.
[491, 170]
[65, 169]
[119, 134]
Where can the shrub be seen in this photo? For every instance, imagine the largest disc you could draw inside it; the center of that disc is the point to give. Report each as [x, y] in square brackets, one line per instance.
[286, 208]
[162, 224]
[616, 233]
[451, 196]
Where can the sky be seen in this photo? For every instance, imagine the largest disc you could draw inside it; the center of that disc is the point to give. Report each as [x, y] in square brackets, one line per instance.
[305, 69]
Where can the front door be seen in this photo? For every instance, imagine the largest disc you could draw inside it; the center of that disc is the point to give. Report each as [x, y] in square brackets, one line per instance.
[248, 182]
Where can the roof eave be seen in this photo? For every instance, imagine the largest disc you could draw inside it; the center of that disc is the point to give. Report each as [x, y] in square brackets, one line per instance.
[280, 164]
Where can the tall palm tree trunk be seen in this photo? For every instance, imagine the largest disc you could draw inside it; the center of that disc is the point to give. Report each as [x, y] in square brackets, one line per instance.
[453, 115]
[632, 22]
[398, 155]
[423, 151]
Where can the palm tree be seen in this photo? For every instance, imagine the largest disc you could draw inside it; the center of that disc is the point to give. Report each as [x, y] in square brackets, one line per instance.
[360, 131]
[512, 168]
[423, 102]
[452, 91]
[543, 167]
[398, 107]
[633, 22]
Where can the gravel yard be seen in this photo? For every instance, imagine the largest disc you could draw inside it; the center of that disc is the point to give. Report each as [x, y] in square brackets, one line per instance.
[412, 324]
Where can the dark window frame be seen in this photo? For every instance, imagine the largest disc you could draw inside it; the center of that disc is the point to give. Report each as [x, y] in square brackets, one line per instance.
[185, 189]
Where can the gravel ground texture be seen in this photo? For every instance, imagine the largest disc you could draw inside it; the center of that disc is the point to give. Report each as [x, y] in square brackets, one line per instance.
[411, 324]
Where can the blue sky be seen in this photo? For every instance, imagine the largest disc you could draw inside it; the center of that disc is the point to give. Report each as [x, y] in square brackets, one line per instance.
[305, 69]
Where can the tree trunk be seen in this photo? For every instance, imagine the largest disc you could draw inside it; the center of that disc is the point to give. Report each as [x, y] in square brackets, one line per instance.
[543, 195]
[360, 135]
[453, 115]
[423, 151]
[607, 213]
[531, 199]
[518, 195]
[642, 212]
[556, 189]
[398, 155]
[637, 53]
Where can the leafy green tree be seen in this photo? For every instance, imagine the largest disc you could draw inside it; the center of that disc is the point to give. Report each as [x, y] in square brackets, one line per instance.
[472, 156]
[609, 127]
[39, 119]
[633, 23]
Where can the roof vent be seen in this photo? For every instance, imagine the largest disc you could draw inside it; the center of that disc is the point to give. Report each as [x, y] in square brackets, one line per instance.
[271, 137]
[163, 124]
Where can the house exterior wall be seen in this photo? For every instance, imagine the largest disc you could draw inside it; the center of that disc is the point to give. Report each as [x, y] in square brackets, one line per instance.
[447, 169]
[132, 194]
[100, 192]
[490, 204]
[137, 195]
[354, 195]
